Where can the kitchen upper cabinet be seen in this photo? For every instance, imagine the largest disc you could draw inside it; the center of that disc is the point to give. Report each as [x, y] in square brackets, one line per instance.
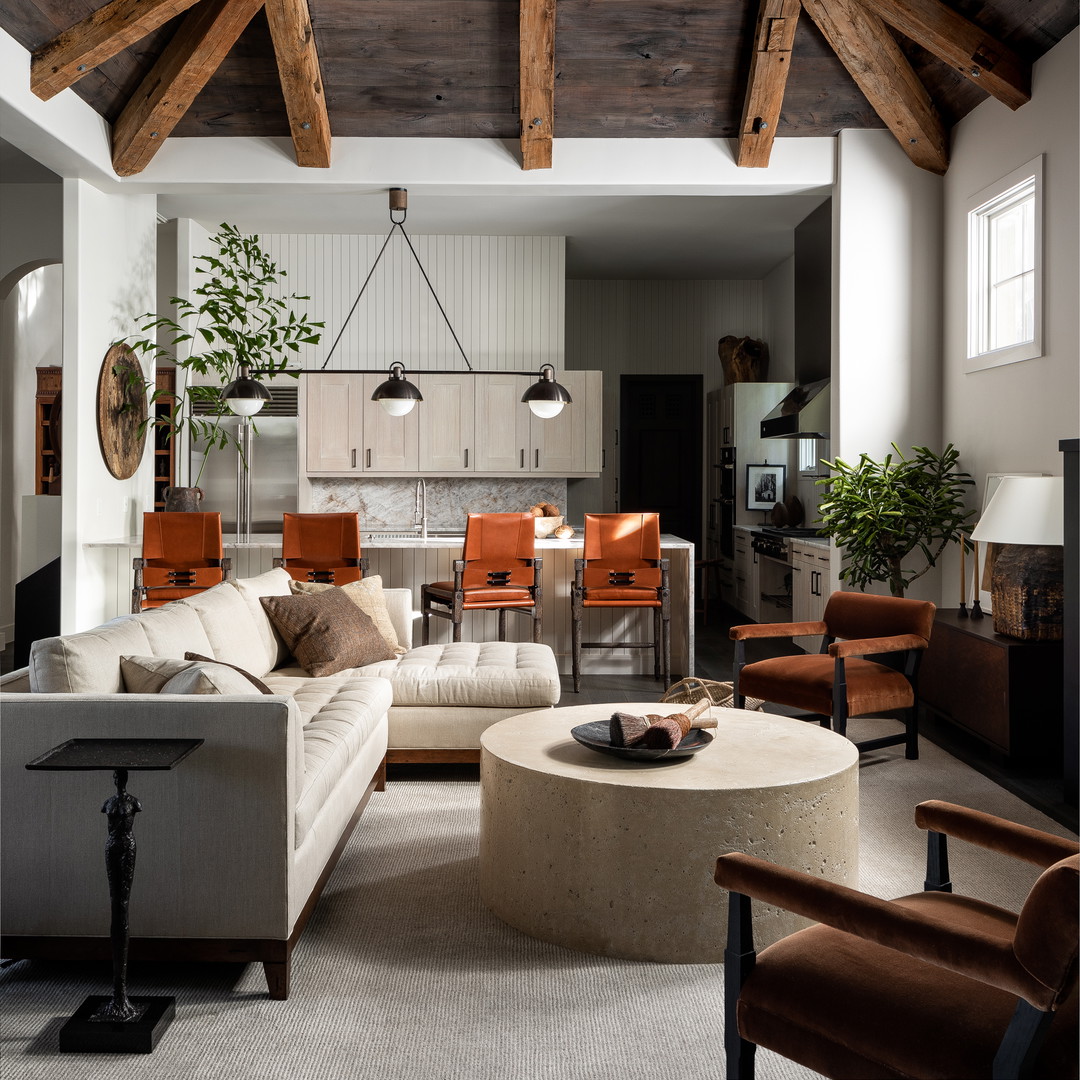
[474, 424]
[503, 434]
[569, 444]
[447, 434]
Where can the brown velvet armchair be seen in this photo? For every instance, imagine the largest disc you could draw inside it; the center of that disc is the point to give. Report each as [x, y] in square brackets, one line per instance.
[927, 985]
[837, 682]
[499, 571]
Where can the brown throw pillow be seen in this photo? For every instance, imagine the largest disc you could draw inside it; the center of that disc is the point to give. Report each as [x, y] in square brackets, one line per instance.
[367, 595]
[326, 632]
[257, 683]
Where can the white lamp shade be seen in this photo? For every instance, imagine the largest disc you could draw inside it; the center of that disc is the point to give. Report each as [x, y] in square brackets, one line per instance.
[245, 406]
[546, 409]
[1024, 510]
[397, 406]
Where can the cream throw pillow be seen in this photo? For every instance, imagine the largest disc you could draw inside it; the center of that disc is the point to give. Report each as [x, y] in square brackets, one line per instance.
[165, 675]
[367, 595]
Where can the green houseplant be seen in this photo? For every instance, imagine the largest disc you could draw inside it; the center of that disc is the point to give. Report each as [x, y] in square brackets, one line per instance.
[880, 512]
[237, 321]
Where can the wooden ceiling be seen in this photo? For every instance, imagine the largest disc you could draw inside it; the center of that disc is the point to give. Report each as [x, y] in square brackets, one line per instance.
[534, 70]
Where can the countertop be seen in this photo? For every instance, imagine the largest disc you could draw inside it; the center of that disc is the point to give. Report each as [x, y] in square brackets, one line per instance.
[822, 542]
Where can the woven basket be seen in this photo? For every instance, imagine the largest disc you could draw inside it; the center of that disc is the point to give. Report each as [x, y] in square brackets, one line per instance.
[688, 691]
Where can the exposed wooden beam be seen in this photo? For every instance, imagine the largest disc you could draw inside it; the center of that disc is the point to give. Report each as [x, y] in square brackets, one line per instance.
[301, 81]
[101, 35]
[962, 45]
[206, 35]
[536, 29]
[774, 35]
[874, 60]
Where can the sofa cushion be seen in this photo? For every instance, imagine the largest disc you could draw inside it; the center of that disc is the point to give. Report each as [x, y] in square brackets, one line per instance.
[173, 629]
[340, 712]
[257, 683]
[166, 675]
[367, 595]
[273, 583]
[88, 662]
[468, 674]
[229, 625]
[326, 631]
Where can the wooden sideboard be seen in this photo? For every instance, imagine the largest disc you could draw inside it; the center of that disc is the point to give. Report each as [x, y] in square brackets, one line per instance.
[1005, 691]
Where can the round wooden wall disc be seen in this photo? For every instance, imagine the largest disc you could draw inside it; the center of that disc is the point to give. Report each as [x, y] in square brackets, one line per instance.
[121, 401]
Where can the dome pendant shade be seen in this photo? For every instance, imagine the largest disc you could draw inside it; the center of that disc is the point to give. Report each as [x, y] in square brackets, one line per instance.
[546, 397]
[397, 395]
[245, 396]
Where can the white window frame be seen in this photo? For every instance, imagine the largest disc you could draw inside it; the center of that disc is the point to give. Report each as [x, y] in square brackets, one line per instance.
[980, 208]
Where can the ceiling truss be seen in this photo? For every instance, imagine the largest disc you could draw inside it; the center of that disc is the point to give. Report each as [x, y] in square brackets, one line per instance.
[858, 31]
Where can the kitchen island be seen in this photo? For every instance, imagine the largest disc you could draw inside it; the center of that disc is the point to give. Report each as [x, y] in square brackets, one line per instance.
[404, 560]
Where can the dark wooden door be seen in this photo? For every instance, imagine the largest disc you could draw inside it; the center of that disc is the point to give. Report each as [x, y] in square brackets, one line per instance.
[660, 423]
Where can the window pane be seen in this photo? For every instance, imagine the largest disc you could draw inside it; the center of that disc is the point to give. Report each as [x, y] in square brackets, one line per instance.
[1007, 244]
[1012, 311]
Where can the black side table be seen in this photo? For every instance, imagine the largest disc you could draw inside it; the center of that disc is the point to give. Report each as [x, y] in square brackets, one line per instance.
[118, 1024]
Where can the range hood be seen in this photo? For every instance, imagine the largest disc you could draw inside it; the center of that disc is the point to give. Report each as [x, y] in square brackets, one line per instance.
[803, 414]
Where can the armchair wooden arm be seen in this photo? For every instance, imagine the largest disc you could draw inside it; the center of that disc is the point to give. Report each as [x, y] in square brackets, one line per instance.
[775, 630]
[876, 646]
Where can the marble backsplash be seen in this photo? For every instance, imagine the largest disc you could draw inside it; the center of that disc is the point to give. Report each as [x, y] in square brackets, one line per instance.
[388, 504]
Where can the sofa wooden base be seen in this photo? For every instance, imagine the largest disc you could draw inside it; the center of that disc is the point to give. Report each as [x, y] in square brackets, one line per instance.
[275, 955]
[433, 756]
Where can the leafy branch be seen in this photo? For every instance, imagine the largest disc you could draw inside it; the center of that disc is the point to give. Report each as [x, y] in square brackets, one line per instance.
[235, 321]
[883, 512]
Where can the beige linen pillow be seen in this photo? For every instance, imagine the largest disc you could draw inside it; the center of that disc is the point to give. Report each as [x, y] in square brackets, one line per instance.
[326, 631]
[165, 675]
[367, 595]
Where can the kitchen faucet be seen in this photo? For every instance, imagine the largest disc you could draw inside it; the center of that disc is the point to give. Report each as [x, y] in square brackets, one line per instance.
[420, 510]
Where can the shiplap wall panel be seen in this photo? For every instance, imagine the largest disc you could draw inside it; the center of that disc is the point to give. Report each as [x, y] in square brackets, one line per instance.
[504, 297]
[651, 328]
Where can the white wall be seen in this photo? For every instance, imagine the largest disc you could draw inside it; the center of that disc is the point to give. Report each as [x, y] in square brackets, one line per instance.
[110, 251]
[1009, 419]
[887, 306]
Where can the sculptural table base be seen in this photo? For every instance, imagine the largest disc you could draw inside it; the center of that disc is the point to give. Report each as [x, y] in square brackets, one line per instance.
[80, 1034]
[118, 1024]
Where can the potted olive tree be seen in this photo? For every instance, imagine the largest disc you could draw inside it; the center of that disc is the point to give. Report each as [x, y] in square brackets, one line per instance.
[237, 321]
[882, 512]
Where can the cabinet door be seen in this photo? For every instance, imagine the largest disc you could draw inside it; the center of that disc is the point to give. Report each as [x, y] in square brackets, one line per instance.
[333, 413]
[569, 444]
[503, 436]
[803, 605]
[391, 443]
[446, 433]
[747, 577]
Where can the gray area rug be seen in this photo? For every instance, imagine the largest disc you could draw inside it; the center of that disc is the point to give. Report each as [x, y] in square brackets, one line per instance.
[402, 973]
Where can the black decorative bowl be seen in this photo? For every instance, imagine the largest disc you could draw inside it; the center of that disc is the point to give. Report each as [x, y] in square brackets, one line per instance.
[597, 736]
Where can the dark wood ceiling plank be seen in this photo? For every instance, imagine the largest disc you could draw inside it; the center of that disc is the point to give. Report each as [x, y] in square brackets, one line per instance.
[991, 65]
[876, 63]
[100, 36]
[301, 81]
[770, 62]
[536, 61]
[207, 33]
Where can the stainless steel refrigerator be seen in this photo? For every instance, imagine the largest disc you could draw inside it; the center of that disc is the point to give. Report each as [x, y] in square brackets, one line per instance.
[270, 486]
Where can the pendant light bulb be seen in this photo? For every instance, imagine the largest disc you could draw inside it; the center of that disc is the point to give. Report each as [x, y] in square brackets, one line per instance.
[245, 396]
[397, 395]
[546, 397]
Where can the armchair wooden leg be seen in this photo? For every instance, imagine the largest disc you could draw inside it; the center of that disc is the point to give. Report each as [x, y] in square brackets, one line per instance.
[911, 743]
[425, 613]
[739, 960]
[738, 699]
[1015, 1059]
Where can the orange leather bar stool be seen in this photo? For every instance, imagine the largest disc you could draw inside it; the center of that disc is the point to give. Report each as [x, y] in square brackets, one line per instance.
[322, 547]
[837, 683]
[182, 555]
[498, 571]
[622, 568]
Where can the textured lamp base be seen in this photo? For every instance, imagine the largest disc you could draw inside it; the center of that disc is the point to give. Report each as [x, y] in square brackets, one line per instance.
[1027, 587]
[81, 1035]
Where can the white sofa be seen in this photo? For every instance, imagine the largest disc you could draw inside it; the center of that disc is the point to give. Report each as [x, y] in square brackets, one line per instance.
[236, 844]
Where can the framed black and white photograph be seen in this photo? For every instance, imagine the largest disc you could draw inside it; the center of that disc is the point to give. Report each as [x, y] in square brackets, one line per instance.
[764, 486]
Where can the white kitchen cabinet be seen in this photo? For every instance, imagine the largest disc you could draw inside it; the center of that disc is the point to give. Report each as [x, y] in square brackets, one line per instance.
[503, 433]
[448, 430]
[747, 598]
[467, 423]
[809, 587]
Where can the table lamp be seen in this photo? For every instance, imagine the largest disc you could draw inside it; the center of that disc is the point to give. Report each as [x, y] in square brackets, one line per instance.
[1026, 515]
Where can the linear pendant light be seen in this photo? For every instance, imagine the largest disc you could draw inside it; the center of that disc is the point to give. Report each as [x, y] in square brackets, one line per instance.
[396, 394]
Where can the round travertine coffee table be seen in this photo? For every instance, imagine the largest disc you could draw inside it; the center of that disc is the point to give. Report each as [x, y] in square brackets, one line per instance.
[616, 857]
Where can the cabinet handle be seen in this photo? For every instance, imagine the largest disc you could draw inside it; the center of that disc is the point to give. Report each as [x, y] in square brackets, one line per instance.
[354, 459]
[523, 457]
[538, 457]
[603, 457]
[466, 457]
[368, 452]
